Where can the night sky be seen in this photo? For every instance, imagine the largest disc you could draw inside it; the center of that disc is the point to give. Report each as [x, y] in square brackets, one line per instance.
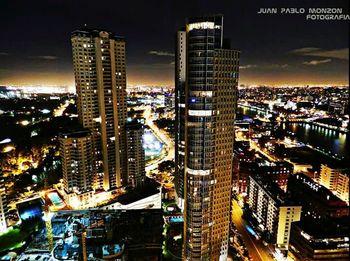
[276, 49]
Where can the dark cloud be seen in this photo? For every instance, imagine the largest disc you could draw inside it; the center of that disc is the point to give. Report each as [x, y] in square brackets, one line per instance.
[44, 57]
[342, 53]
[248, 66]
[263, 66]
[305, 50]
[317, 62]
[161, 53]
[4, 54]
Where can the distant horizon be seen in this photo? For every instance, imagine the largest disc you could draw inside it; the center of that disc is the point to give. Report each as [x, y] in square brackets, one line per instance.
[132, 82]
[71, 88]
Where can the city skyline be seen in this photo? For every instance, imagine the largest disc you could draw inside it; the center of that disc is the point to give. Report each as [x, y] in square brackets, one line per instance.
[182, 136]
[283, 55]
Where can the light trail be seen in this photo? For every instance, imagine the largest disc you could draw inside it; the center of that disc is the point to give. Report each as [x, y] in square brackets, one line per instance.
[162, 136]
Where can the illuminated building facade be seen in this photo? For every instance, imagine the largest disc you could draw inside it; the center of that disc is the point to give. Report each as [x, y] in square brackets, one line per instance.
[136, 155]
[342, 190]
[274, 212]
[3, 206]
[336, 180]
[100, 77]
[77, 164]
[206, 84]
[328, 177]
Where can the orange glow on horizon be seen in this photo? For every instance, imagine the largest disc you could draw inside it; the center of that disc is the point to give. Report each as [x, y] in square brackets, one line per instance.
[166, 80]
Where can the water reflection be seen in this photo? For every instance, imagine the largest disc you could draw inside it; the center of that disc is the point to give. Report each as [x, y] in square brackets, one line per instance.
[331, 141]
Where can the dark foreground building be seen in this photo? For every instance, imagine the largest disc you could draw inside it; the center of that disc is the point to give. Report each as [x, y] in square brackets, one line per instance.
[321, 239]
[109, 235]
[317, 201]
[323, 231]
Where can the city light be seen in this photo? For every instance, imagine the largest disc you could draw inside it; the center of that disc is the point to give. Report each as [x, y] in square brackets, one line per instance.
[189, 149]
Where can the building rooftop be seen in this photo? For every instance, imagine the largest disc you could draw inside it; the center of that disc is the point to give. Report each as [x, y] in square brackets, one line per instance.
[206, 18]
[315, 190]
[324, 227]
[76, 134]
[150, 188]
[273, 190]
[94, 32]
[134, 125]
[108, 233]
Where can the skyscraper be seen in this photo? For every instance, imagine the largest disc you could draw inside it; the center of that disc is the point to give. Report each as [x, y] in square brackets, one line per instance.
[206, 83]
[100, 77]
[3, 206]
[136, 154]
[180, 81]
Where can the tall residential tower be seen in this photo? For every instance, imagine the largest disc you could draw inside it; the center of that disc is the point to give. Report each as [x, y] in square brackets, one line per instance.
[100, 77]
[3, 206]
[206, 85]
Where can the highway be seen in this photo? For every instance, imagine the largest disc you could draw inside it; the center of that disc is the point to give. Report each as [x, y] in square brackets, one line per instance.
[255, 247]
[60, 109]
[162, 136]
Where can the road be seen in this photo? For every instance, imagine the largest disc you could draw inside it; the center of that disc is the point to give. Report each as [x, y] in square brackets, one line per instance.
[60, 109]
[255, 247]
[255, 146]
[162, 136]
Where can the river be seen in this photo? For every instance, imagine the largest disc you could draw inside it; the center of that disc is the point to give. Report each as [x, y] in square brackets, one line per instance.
[330, 141]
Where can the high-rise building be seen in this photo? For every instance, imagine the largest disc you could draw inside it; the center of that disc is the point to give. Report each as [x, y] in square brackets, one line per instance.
[272, 209]
[100, 78]
[3, 206]
[76, 154]
[336, 180]
[180, 82]
[206, 84]
[136, 154]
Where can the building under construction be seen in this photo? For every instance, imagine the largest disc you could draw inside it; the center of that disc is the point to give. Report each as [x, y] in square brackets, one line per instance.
[106, 235]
